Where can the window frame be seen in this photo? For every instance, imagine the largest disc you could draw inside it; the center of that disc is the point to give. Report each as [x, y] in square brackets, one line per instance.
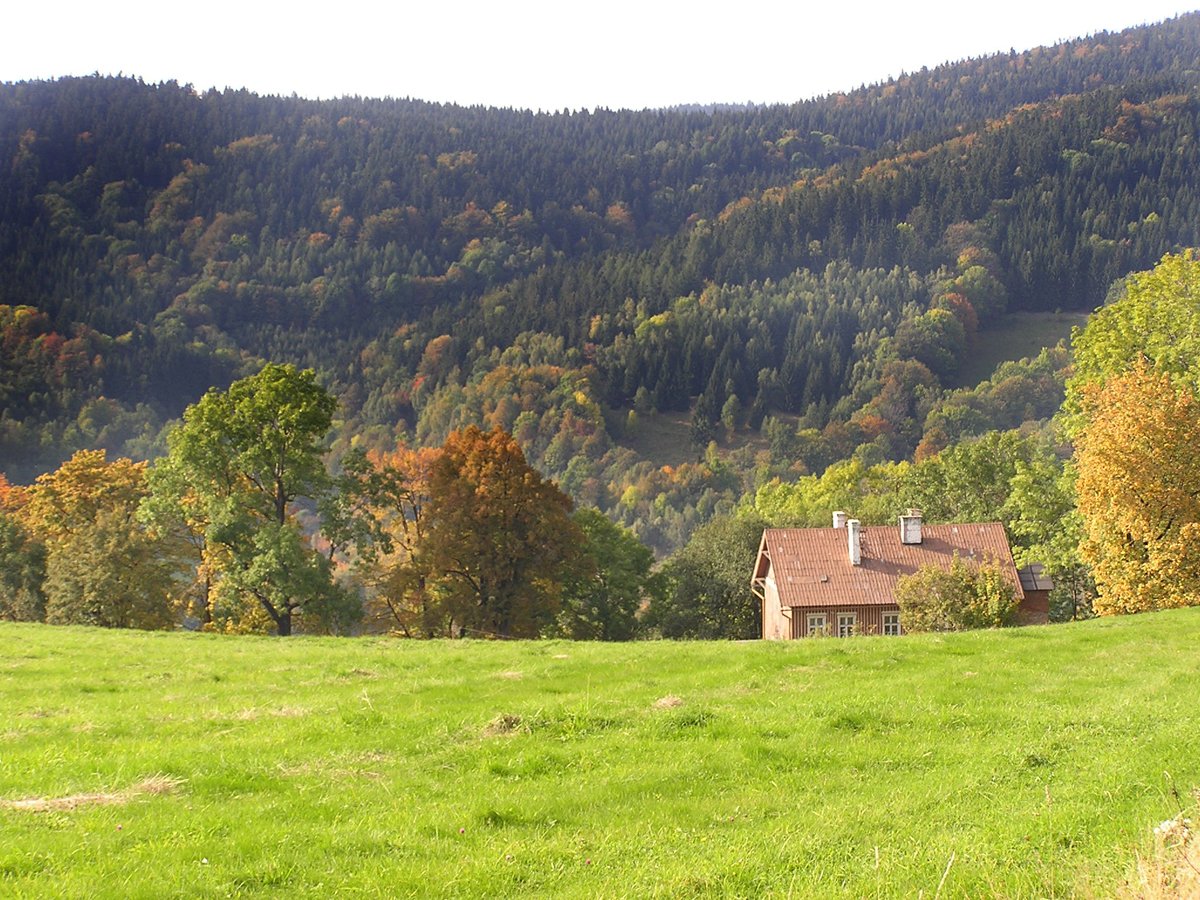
[886, 624]
[822, 629]
[847, 629]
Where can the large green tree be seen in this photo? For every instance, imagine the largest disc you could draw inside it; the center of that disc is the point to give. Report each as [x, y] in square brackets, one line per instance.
[707, 593]
[241, 461]
[1154, 316]
[1044, 526]
[971, 481]
[601, 600]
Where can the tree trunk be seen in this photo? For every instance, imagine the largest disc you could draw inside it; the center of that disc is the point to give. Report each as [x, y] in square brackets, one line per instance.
[206, 601]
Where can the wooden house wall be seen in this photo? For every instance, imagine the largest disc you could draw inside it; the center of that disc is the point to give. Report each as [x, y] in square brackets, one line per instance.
[774, 624]
[869, 618]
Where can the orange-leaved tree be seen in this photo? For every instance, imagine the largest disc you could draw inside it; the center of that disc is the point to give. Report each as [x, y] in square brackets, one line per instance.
[22, 560]
[499, 536]
[12, 496]
[1139, 491]
[377, 516]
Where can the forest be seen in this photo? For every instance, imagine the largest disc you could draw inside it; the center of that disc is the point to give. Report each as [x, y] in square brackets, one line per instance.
[798, 285]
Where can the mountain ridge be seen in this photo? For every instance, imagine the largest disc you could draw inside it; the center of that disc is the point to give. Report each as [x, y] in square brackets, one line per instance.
[741, 264]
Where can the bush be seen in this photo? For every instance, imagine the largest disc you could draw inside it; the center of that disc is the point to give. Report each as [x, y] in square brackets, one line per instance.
[956, 599]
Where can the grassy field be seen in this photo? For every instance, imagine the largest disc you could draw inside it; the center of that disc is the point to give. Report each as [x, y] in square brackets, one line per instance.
[666, 438]
[1028, 762]
[1016, 336]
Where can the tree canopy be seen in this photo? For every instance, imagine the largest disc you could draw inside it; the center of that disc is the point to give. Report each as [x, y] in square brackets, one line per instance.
[499, 534]
[102, 565]
[240, 461]
[1139, 491]
[1154, 318]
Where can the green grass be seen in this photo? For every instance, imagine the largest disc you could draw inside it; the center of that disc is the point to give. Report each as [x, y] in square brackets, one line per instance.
[666, 438]
[1035, 759]
[1016, 336]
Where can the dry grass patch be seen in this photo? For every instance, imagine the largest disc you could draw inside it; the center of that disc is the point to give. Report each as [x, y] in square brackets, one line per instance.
[1172, 871]
[341, 767]
[511, 676]
[668, 702]
[502, 725]
[155, 784]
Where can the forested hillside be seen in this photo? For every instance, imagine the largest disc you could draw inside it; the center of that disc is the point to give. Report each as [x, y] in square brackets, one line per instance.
[800, 282]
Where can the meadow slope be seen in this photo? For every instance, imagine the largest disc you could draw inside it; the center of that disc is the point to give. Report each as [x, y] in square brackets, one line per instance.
[1027, 762]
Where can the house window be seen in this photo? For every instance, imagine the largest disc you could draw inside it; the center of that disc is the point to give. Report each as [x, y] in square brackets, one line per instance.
[846, 623]
[817, 624]
[891, 623]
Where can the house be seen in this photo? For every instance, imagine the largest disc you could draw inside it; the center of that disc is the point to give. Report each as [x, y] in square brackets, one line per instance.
[842, 580]
[1035, 586]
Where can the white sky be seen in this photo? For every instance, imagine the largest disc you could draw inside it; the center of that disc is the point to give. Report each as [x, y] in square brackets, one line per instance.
[538, 54]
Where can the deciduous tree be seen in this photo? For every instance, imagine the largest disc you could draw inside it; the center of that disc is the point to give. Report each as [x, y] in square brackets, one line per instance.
[112, 573]
[1156, 317]
[1139, 491]
[103, 567]
[246, 456]
[500, 537]
[22, 572]
[601, 599]
[380, 510]
[707, 593]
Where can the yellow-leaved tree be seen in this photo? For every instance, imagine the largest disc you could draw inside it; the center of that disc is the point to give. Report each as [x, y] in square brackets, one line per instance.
[1139, 491]
[103, 566]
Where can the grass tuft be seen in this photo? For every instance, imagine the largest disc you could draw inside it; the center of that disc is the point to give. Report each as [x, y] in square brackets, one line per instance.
[501, 725]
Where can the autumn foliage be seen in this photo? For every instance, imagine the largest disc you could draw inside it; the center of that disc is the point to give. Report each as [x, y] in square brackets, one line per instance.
[103, 566]
[499, 535]
[1139, 491]
[390, 491]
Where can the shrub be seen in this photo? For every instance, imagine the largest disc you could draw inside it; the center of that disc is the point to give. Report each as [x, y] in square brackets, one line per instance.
[956, 599]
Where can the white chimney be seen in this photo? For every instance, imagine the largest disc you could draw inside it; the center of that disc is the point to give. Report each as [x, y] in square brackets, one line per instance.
[910, 527]
[854, 536]
[839, 519]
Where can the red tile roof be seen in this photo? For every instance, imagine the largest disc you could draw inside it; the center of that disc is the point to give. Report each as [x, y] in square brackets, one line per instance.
[812, 565]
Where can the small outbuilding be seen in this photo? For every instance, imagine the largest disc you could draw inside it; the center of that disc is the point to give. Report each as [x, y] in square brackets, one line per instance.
[842, 580]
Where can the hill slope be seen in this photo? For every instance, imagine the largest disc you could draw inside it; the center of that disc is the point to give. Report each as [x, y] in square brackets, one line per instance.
[1015, 763]
[549, 274]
